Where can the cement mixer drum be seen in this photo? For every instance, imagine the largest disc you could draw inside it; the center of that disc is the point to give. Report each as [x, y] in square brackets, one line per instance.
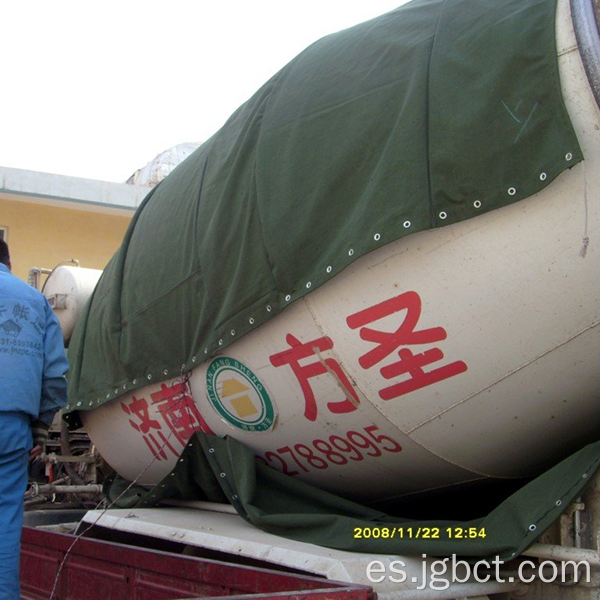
[461, 352]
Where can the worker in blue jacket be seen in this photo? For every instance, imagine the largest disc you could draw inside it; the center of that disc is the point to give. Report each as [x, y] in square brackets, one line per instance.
[32, 389]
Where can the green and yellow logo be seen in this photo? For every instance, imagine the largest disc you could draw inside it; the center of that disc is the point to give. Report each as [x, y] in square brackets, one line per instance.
[238, 395]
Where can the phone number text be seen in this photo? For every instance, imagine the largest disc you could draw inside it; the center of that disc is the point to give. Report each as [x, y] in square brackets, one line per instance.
[338, 450]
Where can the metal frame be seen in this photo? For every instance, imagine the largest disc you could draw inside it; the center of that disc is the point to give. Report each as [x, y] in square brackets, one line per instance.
[585, 23]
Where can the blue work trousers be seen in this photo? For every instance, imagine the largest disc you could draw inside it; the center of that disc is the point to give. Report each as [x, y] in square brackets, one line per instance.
[15, 443]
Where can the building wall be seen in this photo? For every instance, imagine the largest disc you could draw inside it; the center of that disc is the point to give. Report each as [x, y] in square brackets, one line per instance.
[43, 236]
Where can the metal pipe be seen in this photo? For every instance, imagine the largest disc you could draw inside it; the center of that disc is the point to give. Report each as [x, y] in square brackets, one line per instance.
[65, 448]
[33, 501]
[579, 506]
[461, 590]
[558, 553]
[33, 488]
[50, 488]
[588, 41]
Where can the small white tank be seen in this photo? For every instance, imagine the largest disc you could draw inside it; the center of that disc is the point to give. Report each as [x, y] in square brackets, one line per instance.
[67, 289]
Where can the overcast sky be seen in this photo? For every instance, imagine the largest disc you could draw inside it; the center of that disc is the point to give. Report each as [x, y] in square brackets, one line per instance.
[98, 89]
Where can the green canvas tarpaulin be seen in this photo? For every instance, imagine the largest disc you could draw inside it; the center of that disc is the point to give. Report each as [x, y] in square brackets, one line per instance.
[428, 115]
[224, 470]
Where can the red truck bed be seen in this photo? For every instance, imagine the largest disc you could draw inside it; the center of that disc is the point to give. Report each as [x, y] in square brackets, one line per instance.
[108, 571]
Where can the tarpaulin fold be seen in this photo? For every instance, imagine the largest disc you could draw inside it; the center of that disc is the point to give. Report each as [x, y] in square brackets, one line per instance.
[225, 470]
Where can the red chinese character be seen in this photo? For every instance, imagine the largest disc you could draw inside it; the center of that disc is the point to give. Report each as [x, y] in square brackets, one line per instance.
[405, 335]
[138, 409]
[179, 411]
[299, 351]
[412, 364]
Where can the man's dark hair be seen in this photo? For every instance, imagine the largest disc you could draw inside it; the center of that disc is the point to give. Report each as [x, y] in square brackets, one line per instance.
[4, 253]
